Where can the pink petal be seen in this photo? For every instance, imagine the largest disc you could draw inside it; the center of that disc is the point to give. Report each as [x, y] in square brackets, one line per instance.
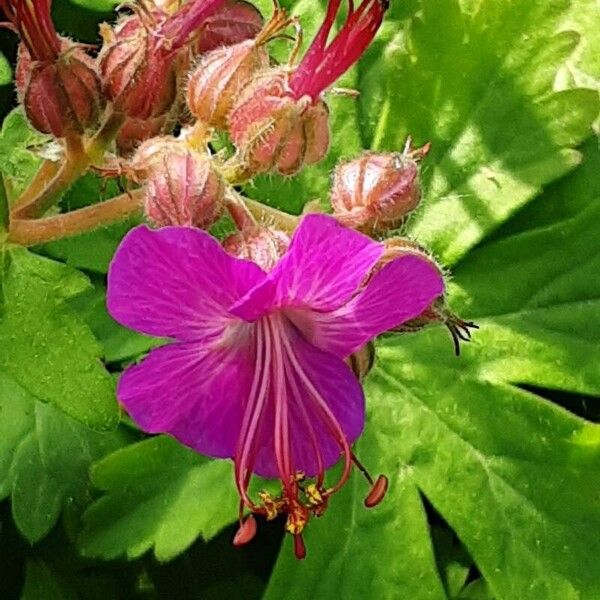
[337, 388]
[193, 392]
[323, 267]
[176, 282]
[401, 291]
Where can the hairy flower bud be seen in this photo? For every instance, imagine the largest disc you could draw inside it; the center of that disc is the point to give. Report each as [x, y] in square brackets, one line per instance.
[235, 22]
[274, 131]
[61, 96]
[56, 81]
[220, 75]
[260, 244]
[140, 56]
[437, 311]
[138, 77]
[280, 122]
[184, 189]
[375, 191]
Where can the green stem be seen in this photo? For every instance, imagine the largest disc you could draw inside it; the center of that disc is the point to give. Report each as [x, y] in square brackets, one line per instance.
[31, 232]
[77, 161]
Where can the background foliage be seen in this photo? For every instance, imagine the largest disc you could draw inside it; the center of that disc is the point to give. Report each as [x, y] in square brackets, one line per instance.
[494, 458]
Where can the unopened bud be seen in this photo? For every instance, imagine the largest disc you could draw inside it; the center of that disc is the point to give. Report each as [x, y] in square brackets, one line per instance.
[376, 191]
[138, 75]
[273, 131]
[259, 244]
[221, 75]
[62, 95]
[235, 22]
[218, 79]
[184, 189]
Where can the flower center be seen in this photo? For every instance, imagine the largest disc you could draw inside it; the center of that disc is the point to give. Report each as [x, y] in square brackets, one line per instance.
[283, 397]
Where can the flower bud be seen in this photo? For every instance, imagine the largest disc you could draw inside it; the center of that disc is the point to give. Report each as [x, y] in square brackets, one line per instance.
[438, 311]
[183, 189]
[62, 95]
[275, 132]
[375, 191]
[221, 74]
[361, 362]
[218, 79]
[235, 22]
[138, 75]
[258, 243]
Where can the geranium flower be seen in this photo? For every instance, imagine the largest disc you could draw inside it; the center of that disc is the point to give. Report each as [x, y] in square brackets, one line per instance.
[256, 368]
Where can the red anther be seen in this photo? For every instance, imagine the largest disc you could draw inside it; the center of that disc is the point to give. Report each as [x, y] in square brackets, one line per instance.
[299, 547]
[246, 532]
[377, 493]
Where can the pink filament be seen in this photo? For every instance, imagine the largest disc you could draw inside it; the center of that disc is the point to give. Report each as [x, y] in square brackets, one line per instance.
[323, 65]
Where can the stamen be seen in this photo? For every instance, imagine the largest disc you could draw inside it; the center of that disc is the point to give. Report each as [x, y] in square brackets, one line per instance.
[299, 547]
[377, 493]
[246, 531]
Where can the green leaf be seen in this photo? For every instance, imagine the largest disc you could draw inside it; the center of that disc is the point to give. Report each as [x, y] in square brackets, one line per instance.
[482, 93]
[42, 582]
[4, 211]
[119, 343]
[514, 476]
[5, 70]
[476, 590]
[44, 459]
[94, 250]
[18, 161]
[98, 5]
[160, 495]
[47, 349]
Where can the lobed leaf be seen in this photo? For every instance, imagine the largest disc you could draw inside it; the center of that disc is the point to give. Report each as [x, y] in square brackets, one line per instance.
[160, 495]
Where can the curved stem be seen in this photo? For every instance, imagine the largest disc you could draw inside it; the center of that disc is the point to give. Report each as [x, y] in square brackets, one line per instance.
[30, 233]
[38, 198]
[45, 173]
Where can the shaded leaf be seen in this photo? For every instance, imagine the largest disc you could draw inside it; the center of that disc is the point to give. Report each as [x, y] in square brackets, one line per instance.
[44, 459]
[483, 94]
[159, 495]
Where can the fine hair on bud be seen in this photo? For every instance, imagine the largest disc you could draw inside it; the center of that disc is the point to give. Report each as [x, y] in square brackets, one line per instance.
[221, 74]
[376, 191]
[183, 188]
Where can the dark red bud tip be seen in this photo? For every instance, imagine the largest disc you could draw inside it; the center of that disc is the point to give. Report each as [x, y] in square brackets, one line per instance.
[246, 532]
[378, 491]
[299, 547]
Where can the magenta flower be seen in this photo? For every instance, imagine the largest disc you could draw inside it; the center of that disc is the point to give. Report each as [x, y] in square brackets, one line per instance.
[256, 369]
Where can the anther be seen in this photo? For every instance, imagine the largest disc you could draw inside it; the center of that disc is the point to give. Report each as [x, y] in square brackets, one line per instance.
[246, 532]
[377, 493]
[299, 547]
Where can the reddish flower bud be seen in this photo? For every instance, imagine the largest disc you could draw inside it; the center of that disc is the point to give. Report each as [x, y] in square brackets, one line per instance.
[56, 81]
[362, 361]
[376, 191]
[62, 96]
[280, 122]
[216, 82]
[262, 245]
[273, 131]
[235, 22]
[184, 189]
[139, 59]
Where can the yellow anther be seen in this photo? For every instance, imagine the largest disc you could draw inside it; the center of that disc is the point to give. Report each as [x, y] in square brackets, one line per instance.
[269, 504]
[313, 495]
